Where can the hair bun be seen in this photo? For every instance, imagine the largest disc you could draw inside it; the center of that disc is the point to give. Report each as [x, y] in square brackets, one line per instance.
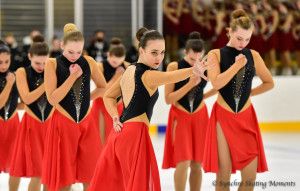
[238, 13]
[115, 41]
[38, 38]
[194, 35]
[70, 27]
[140, 33]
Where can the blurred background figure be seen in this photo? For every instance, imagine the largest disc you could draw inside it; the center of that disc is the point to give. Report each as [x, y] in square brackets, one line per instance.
[98, 47]
[27, 41]
[132, 53]
[16, 59]
[55, 49]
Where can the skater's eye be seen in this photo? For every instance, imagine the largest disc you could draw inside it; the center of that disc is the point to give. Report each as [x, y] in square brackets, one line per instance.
[4, 62]
[154, 54]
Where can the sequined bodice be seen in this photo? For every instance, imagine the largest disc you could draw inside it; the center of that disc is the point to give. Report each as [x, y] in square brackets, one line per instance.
[109, 71]
[41, 107]
[191, 101]
[77, 100]
[237, 91]
[12, 102]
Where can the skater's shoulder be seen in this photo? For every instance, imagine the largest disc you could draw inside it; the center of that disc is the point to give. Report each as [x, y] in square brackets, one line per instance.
[214, 54]
[172, 66]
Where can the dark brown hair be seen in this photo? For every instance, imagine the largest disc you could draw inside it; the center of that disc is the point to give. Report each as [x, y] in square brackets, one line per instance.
[38, 47]
[143, 35]
[194, 42]
[116, 48]
[4, 48]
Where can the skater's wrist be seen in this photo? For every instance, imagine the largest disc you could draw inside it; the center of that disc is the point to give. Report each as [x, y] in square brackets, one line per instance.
[115, 118]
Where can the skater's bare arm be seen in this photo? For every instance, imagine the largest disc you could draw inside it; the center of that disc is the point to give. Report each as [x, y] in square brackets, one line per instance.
[110, 98]
[26, 95]
[97, 77]
[210, 93]
[56, 94]
[263, 73]
[20, 106]
[172, 96]
[217, 78]
[10, 80]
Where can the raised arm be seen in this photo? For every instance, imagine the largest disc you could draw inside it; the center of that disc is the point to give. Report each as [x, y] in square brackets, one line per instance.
[10, 80]
[97, 77]
[263, 73]
[56, 94]
[172, 96]
[26, 95]
[153, 79]
[210, 93]
[217, 78]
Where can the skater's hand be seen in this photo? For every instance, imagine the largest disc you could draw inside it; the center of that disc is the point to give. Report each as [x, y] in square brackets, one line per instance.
[200, 67]
[241, 60]
[194, 80]
[120, 70]
[117, 124]
[10, 78]
[75, 70]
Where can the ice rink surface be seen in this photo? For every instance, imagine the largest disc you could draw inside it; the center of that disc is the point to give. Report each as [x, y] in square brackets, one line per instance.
[282, 153]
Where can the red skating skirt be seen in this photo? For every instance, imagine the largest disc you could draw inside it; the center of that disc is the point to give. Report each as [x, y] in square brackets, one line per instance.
[186, 24]
[285, 41]
[169, 28]
[272, 42]
[296, 44]
[29, 148]
[221, 39]
[98, 106]
[71, 151]
[128, 162]
[8, 134]
[257, 43]
[243, 137]
[185, 136]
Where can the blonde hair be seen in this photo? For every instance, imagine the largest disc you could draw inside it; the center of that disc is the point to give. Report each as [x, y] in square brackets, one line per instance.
[240, 18]
[71, 33]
